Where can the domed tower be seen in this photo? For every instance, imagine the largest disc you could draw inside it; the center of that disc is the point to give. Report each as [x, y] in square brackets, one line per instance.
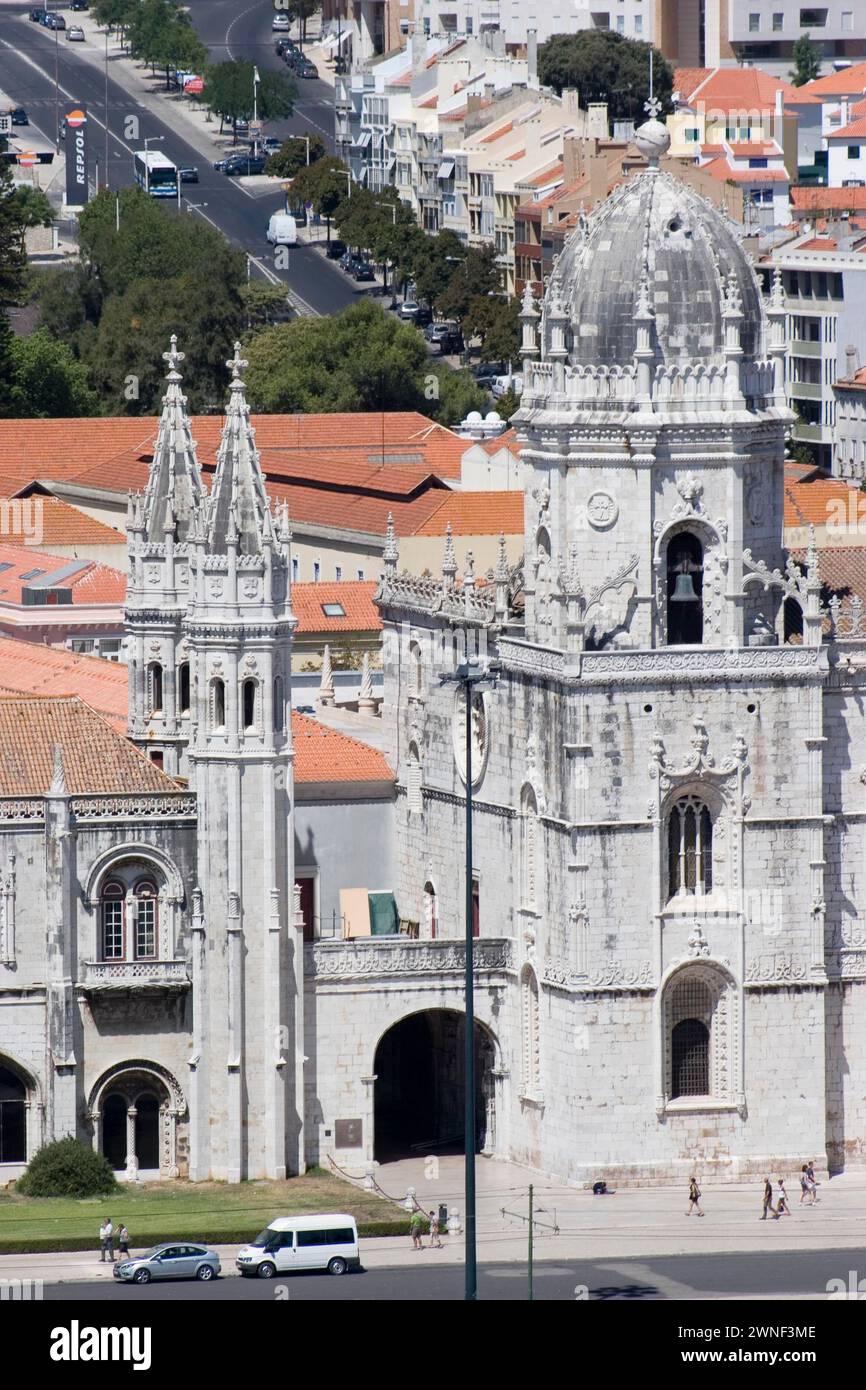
[653, 421]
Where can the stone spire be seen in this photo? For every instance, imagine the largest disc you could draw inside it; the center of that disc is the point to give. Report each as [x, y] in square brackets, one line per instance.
[391, 553]
[58, 777]
[174, 487]
[238, 497]
[500, 576]
[449, 561]
[326, 684]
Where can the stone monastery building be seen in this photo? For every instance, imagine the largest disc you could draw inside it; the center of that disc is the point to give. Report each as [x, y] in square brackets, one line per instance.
[668, 780]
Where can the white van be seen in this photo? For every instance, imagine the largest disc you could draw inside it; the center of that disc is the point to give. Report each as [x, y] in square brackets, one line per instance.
[302, 1242]
[283, 230]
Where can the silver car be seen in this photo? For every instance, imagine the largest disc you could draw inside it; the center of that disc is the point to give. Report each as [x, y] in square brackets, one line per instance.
[180, 1261]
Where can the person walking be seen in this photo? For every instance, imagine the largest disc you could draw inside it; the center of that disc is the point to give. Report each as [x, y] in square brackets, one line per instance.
[416, 1226]
[123, 1241]
[694, 1197]
[106, 1241]
[806, 1188]
[435, 1242]
[813, 1181]
[782, 1207]
[768, 1201]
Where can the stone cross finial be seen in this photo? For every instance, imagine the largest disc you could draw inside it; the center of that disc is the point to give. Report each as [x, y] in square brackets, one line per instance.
[236, 365]
[173, 358]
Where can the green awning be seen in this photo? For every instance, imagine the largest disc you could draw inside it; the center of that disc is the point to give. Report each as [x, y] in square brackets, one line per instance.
[383, 915]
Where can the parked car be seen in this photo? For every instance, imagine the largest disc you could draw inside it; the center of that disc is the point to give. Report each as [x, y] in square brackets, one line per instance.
[180, 1261]
[280, 22]
[284, 46]
[485, 370]
[270, 145]
[408, 309]
[282, 230]
[189, 174]
[424, 316]
[434, 331]
[360, 268]
[335, 250]
[53, 20]
[80, 5]
[38, 14]
[501, 384]
[306, 69]
[306, 709]
[75, 34]
[19, 116]
[451, 342]
[345, 259]
[241, 165]
[296, 1243]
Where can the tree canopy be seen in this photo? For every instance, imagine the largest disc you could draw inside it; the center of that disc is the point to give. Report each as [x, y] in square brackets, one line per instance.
[807, 61]
[291, 157]
[47, 381]
[228, 90]
[605, 66]
[161, 34]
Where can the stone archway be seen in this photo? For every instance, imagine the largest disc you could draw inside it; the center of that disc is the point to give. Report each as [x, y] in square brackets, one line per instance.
[135, 1108]
[418, 1098]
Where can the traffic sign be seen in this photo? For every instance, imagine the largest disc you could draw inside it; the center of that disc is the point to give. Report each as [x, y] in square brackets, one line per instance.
[256, 128]
[28, 158]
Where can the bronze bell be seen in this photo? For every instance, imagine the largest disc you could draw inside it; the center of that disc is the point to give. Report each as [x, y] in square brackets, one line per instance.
[685, 590]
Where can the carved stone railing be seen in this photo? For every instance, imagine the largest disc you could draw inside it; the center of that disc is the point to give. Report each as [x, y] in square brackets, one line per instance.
[701, 664]
[136, 974]
[14, 808]
[531, 658]
[387, 956]
[161, 805]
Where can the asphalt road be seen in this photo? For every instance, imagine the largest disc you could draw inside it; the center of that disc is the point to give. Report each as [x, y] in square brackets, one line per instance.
[670, 1278]
[27, 73]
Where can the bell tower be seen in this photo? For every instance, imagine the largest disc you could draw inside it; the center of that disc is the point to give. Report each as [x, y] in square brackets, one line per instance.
[246, 1069]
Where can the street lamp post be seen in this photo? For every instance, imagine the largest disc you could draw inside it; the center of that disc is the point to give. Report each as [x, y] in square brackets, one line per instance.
[472, 675]
[106, 111]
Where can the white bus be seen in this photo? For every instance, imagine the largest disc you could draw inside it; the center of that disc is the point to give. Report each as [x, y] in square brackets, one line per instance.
[155, 174]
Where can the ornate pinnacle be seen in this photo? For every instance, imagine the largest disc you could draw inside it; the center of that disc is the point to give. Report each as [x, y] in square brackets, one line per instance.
[236, 365]
[326, 685]
[469, 571]
[391, 554]
[527, 306]
[173, 358]
[58, 776]
[449, 560]
[501, 574]
[777, 297]
[365, 694]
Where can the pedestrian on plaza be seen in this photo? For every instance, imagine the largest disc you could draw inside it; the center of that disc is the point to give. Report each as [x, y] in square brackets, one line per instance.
[106, 1240]
[810, 1174]
[768, 1201]
[416, 1227]
[806, 1188]
[435, 1242]
[782, 1205]
[123, 1241]
[694, 1197]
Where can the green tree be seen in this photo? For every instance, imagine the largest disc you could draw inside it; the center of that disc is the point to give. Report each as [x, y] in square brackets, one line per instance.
[604, 66]
[507, 404]
[304, 10]
[69, 298]
[291, 157]
[433, 262]
[261, 302]
[34, 208]
[496, 321]
[379, 223]
[13, 261]
[457, 392]
[323, 184]
[68, 1168]
[162, 34]
[47, 381]
[807, 61]
[228, 90]
[114, 14]
[475, 276]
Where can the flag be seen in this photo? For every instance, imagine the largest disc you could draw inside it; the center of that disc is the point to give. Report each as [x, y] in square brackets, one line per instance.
[256, 78]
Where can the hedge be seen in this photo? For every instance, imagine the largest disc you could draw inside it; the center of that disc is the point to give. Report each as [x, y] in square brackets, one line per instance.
[38, 1245]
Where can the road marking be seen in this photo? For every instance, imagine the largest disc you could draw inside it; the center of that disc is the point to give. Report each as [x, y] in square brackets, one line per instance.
[228, 46]
[294, 299]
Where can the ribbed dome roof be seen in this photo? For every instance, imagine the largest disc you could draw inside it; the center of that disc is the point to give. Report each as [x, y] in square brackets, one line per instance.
[689, 251]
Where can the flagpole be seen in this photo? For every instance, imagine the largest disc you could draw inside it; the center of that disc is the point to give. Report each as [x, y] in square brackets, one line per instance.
[256, 80]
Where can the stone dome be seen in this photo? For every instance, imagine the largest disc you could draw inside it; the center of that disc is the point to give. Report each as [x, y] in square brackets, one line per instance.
[652, 227]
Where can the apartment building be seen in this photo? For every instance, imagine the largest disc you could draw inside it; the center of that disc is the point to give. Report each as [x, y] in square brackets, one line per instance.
[363, 29]
[631, 18]
[758, 168]
[698, 33]
[849, 454]
[824, 284]
[715, 106]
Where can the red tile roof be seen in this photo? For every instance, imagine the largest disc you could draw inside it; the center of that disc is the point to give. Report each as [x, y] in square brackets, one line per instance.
[687, 80]
[96, 758]
[83, 707]
[737, 89]
[506, 440]
[818, 244]
[855, 131]
[843, 570]
[815, 501]
[847, 82]
[324, 755]
[755, 149]
[89, 583]
[721, 169]
[476, 514]
[828, 199]
[39, 520]
[355, 597]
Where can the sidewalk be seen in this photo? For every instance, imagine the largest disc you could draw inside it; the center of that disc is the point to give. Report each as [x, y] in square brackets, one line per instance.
[634, 1223]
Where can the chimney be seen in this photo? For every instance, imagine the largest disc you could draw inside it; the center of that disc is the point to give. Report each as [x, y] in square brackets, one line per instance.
[851, 362]
[570, 101]
[489, 91]
[843, 113]
[571, 170]
[531, 58]
[418, 51]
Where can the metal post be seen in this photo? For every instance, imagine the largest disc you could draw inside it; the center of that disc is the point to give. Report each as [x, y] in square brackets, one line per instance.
[56, 84]
[530, 1243]
[117, 212]
[106, 109]
[471, 1291]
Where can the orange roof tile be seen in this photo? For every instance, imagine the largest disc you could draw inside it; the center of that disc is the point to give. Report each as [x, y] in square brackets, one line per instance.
[90, 582]
[476, 514]
[355, 597]
[810, 501]
[506, 440]
[96, 758]
[843, 570]
[806, 199]
[31, 668]
[855, 131]
[721, 169]
[741, 89]
[687, 80]
[755, 149]
[847, 82]
[38, 520]
[495, 134]
[818, 244]
[324, 755]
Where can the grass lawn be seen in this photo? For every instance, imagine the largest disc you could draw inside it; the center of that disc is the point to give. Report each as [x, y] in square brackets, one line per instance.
[220, 1213]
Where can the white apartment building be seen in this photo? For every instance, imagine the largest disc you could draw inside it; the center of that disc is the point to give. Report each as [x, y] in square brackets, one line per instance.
[631, 18]
[824, 284]
[849, 454]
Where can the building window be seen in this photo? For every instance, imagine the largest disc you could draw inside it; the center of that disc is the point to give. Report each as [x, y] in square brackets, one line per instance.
[813, 19]
[690, 848]
[685, 608]
[317, 571]
[690, 1058]
[157, 757]
[279, 706]
[691, 134]
[13, 1118]
[218, 704]
[476, 905]
[413, 781]
[530, 1032]
[416, 671]
[113, 907]
[847, 20]
[778, 21]
[638, 23]
[853, 151]
[360, 574]
[249, 704]
[754, 23]
[183, 687]
[295, 569]
[431, 912]
[154, 688]
[338, 573]
[145, 898]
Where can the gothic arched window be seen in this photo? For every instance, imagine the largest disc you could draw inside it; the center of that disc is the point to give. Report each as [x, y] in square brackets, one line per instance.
[416, 671]
[699, 1016]
[146, 905]
[249, 704]
[529, 848]
[685, 576]
[431, 912]
[113, 910]
[530, 1031]
[690, 1058]
[154, 688]
[413, 780]
[183, 687]
[279, 711]
[690, 848]
[13, 1117]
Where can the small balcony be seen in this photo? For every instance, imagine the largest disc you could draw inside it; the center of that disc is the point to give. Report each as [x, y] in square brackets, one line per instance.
[150, 976]
[399, 956]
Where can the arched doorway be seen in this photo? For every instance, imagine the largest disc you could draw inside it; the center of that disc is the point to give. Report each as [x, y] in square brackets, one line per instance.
[147, 1130]
[13, 1117]
[419, 1089]
[136, 1108]
[114, 1130]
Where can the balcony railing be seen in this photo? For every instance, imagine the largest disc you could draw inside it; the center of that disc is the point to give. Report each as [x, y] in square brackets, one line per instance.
[136, 974]
[395, 955]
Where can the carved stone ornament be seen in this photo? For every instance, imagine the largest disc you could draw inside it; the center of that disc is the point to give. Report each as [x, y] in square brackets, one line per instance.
[602, 511]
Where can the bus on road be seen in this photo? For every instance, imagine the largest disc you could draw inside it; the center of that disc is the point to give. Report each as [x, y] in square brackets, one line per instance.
[155, 174]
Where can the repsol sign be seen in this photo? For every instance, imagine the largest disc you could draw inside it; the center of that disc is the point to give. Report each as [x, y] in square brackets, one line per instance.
[76, 157]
